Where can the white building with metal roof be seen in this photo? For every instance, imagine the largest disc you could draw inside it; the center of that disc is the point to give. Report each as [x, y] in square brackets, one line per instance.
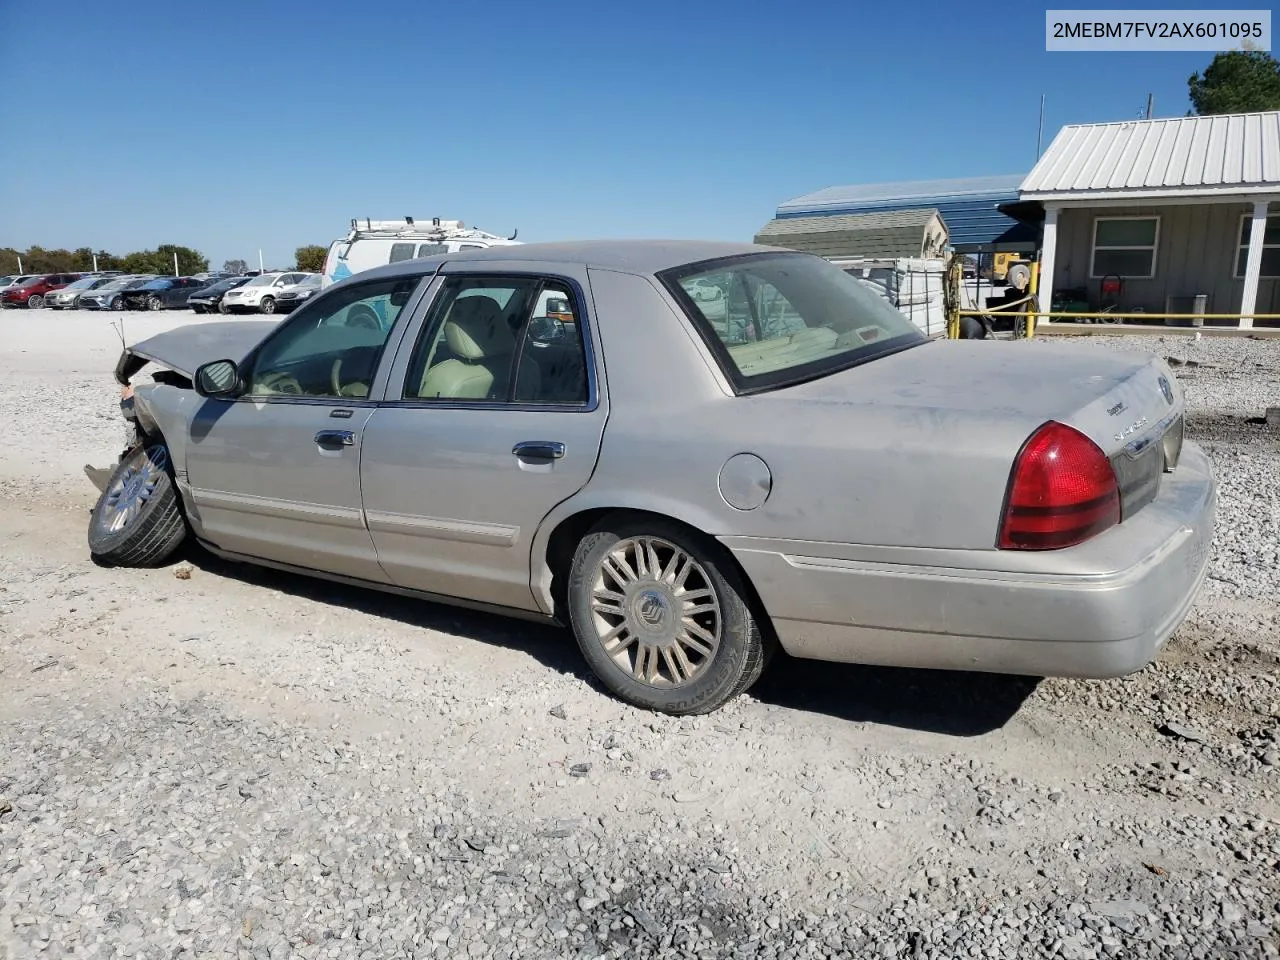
[1157, 211]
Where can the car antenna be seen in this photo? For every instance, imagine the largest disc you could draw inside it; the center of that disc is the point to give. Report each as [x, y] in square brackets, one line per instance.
[514, 234]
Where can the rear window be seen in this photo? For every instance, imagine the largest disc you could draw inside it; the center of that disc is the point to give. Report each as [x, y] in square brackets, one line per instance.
[775, 319]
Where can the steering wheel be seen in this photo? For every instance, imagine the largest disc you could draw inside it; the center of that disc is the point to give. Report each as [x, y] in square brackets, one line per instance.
[280, 382]
[363, 315]
[353, 389]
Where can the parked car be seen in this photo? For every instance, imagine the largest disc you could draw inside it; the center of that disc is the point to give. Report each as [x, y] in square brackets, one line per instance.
[836, 483]
[291, 297]
[16, 278]
[110, 296]
[32, 292]
[260, 294]
[68, 298]
[209, 299]
[162, 293]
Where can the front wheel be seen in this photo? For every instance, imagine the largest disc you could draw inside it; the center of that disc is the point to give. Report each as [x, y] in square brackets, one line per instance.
[35, 301]
[268, 305]
[662, 616]
[116, 303]
[137, 521]
[223, 308]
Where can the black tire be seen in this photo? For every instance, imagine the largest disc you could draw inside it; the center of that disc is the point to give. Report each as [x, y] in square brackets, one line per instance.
[155, 303]
[35, 302]
[116, 302]
[735, 664]
[149, 535]
[223, 308]
[268, 305]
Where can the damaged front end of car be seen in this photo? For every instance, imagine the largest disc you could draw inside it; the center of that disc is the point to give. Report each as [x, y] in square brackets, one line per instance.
[175, 355]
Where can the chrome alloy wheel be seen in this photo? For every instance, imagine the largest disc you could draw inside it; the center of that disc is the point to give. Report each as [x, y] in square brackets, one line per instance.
[130, 491]
[655, 612]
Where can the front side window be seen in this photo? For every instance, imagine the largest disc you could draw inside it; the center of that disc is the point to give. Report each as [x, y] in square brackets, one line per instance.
[331, 347]
[1124, 247]
[774, 319]
[505, 340]
[1270, 247]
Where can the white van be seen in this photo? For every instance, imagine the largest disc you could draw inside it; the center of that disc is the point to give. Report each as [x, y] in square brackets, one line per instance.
[372, 243]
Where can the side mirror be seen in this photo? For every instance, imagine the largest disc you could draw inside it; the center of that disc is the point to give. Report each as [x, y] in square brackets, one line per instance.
[220, 378]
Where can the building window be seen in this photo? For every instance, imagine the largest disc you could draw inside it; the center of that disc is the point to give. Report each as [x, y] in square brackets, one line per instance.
[1270, 247]
[1125, 247]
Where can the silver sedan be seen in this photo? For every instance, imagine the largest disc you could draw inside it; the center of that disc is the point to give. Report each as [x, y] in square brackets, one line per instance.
[584, 433]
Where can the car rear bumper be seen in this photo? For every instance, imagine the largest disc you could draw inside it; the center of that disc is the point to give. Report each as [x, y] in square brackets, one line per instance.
[1102, 609]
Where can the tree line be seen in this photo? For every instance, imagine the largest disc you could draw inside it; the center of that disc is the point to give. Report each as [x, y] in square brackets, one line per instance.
[160, 260]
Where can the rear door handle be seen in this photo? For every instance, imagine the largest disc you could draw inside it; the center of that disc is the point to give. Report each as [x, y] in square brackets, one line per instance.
[539, 450]
[335, 438]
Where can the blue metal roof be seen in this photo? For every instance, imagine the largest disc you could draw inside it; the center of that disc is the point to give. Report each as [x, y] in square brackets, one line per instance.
[968, 206]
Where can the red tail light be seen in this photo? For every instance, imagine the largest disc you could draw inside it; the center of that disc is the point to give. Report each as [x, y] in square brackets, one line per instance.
[1062, 492]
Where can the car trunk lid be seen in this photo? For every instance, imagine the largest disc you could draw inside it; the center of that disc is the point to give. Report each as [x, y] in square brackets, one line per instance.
[1128, 403]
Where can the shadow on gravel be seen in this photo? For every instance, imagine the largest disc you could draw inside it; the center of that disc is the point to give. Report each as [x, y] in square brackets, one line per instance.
[934, 701]
[546, 643]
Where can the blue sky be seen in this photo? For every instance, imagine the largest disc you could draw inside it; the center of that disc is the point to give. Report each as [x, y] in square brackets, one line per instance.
[237, 126]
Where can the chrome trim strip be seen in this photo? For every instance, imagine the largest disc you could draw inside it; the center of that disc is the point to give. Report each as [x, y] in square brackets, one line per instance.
[442, 528]
[350, 517]
[1080, 581]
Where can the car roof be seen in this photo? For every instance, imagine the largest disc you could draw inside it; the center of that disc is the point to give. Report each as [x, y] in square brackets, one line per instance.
[643, 257]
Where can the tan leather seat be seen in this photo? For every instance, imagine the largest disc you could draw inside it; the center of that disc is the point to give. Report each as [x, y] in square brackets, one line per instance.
[482, 344]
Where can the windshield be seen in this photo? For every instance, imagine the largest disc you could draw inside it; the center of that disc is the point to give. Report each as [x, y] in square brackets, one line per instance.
[83, 283]
[158, 284]
[774, 319]
[310, 282]
[265, 280]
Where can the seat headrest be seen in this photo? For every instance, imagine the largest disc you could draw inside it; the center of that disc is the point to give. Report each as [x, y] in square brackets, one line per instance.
[476, 330]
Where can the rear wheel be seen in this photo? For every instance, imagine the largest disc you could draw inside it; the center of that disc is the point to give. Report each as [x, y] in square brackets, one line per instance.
[137, 521]
[155, 303]
[35, 301]
[268, 305]
[662, 616]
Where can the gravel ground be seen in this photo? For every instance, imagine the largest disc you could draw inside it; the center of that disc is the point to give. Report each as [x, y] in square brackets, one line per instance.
[218, 761]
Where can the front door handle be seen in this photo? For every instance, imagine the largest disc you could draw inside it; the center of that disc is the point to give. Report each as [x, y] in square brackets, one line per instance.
[335, 438]
[539, 450]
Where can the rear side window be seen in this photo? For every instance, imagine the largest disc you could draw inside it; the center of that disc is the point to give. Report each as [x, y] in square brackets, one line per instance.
[431, 249]
[401, 251]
